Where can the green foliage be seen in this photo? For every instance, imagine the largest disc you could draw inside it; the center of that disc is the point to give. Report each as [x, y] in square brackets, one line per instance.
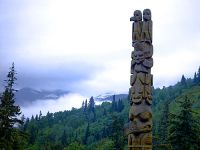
[75, 146]
[10, 136]
[163, 126]
[184, 130]
[117, 132]
[80, 128]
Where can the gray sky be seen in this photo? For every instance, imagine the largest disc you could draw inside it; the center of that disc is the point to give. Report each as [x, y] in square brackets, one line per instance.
[85, 46]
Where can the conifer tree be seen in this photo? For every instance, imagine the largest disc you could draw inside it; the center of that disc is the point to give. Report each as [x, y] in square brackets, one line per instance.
[120, 105]
[87, 133]
[9, 112]
[117, 132]
[86, 106]
[114, 104]
[183, 81]
[40, 115]
[91, 105]
[64, 138]
[83, 106]
[163, 126]
[198, 76]
[195, 80]
[184, 129]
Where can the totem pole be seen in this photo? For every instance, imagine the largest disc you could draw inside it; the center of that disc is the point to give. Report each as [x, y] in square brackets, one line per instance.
[139, 128]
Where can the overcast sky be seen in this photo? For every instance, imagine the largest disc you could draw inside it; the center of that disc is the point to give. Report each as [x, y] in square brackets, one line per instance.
[85, 45]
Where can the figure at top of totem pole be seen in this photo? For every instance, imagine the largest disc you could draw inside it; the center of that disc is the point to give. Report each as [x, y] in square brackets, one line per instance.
[137, 26]
[146, 35]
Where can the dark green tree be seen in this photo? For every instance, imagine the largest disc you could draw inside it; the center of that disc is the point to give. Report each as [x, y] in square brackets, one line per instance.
[86, 135]
[184, 129]
[86, 106]
[117, 132]
[183, 81]
[75, 146]
[40, 115]
[64, 138]
[114, 104]
[9, 113]
[91, 104]
[120, 105]
[83, 106]
[195, 80]
[198, 76]
[163, 127]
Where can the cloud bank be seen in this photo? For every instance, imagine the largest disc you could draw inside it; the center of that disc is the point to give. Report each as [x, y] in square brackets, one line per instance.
[61, 104]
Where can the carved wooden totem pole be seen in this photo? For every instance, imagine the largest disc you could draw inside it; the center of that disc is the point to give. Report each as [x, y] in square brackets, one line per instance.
[139, 129]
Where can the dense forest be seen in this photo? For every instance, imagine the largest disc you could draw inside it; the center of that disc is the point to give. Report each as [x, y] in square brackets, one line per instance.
[176, 112]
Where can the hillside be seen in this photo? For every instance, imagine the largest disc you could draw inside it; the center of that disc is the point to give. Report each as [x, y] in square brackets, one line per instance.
[100, 127]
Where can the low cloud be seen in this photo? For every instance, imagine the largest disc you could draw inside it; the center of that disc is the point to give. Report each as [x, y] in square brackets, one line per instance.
[65, 102]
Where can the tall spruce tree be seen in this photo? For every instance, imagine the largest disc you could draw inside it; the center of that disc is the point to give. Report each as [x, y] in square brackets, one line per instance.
[163, 127]
[117, 132]
[86, 135]
[183, 81]
[184, 130]
[114, 104]
[195, 80]
[91, 105]
[9, 113]
[198, 76]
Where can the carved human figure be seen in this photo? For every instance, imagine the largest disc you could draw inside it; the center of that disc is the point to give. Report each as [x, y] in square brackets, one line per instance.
[137, 26]
[141, 88]
[141, 59]
[146, 34]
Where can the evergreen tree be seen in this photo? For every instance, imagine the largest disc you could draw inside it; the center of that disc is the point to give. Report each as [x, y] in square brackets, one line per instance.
[64, 138]
[9, 112]
[183, 131]
[163, 126]
[195, 80]
[75, 146]
[183, 81]
[32, 118]
[86, 106]
[83, 106]
[198, 76]
[91, 104]
[114, 104]
[36, 117]
[120, 105]
[21, 126]
[87, 133]
[104, 112]
[117, 132]
[40, 115]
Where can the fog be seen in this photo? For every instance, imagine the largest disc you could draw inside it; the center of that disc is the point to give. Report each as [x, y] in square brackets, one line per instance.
[65, 102]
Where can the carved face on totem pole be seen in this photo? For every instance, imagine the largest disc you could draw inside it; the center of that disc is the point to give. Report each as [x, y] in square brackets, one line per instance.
[139, 56]
[137, 16]
[147, 14]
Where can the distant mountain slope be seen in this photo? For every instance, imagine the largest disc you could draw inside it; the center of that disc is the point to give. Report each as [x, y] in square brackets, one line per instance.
[109, 97]
[26, 96]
